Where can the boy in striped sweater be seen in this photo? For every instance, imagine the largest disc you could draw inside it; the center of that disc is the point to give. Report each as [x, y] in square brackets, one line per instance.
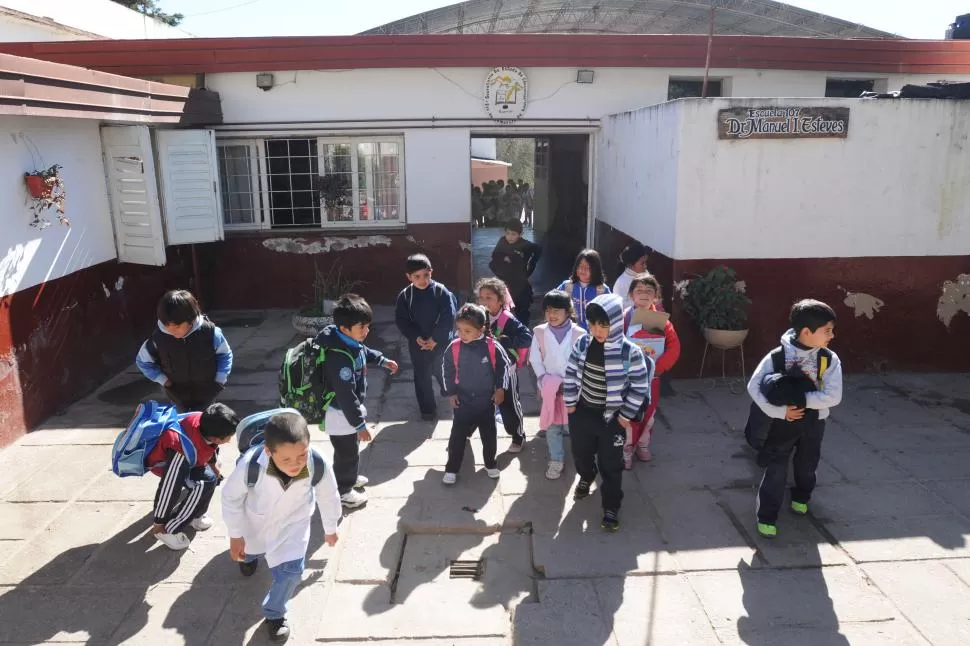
[607, 382]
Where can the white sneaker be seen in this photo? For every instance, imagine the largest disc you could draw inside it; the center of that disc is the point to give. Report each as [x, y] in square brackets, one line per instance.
[361, 482]
[353, 499]
[493, 473]
[449, 478]
[177, 542]
[554, 470]
[202, 523]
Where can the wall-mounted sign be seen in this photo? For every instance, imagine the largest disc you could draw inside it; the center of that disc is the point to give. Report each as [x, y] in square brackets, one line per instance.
[782, 123]
[506, 94]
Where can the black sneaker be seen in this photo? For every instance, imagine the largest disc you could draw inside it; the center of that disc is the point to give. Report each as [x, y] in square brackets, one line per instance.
[582, 490]
[278, 629]
[611, 520]
[248, 568]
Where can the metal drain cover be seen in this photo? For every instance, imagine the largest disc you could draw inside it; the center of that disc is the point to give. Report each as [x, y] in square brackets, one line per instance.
[473, 570]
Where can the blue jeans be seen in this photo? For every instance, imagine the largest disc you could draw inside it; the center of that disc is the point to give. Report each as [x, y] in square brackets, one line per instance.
[554, 436]
[286, 576]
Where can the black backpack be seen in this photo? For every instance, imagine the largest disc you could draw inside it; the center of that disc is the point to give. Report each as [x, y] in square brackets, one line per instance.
[758, 424]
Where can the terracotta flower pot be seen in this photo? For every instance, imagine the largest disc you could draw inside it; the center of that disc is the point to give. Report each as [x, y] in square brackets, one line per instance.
[38, 186]
[725, 339]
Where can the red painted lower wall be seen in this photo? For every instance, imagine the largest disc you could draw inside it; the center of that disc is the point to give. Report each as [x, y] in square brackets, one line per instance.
[904, 335]
[276, 269]
[62, 339]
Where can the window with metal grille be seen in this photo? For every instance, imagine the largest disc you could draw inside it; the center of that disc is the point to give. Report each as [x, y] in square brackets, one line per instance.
[312, 182]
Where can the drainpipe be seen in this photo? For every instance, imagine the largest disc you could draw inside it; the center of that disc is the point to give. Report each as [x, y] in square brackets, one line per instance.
[710, 45]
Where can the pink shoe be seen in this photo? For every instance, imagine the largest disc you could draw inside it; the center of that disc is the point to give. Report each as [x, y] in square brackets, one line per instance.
[628, 457]
[643, 454]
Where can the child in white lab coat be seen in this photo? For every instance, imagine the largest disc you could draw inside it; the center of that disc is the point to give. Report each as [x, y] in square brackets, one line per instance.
[271, 516]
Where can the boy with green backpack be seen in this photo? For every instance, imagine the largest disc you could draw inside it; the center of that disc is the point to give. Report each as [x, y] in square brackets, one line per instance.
[326, 380]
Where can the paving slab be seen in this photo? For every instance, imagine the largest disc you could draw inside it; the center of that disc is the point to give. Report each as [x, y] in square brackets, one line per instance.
[62, 478]
[932, 465]
[565, 614]
[595, 553]
[756, 600]
[370, 542]
[856, 460]
[365, 613]
[18, 463]
[875, 500]
[21, 522]
[41, 614]
[173, 613]
[660, 609]
[108, 487]
[689, 413]
[904, 539]
[955, 492]
[930, 595]
[895, 632]
[698, 533]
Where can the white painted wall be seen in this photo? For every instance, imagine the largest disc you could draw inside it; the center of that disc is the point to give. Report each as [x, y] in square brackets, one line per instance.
[102, 17]
[637, 185]
[897, 186]
[437, 172]
[456, 93]
[28, 256]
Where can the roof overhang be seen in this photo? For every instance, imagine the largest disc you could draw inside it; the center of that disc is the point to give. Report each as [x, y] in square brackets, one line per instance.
[30, 87]
[209, 55]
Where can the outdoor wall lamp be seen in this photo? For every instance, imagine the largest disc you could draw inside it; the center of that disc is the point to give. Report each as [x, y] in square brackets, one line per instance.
[265, 81]
[584, 76]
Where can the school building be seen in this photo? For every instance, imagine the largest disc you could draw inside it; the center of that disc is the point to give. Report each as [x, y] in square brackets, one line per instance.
[235, 166]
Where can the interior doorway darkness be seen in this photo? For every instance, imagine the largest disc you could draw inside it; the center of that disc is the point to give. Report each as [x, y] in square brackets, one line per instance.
[558, 194]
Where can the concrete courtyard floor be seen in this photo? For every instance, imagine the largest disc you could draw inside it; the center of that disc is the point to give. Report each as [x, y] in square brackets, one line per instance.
[882, 559]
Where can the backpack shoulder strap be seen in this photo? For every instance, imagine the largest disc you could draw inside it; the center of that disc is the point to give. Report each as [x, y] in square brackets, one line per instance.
[455, 349]
[778, 360]
[319, 467]
[625, 354]
[540, 335]
[568, 288]
[824, 361]
[490, 343]
[600, 290]
[252, 467]
[171, 423]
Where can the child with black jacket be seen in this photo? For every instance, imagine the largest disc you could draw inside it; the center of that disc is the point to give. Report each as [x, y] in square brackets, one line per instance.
[345, 372]
[475, 372]
[514, 259]
[186, 354]
[425, 315]
[516, 338]
[794, 427]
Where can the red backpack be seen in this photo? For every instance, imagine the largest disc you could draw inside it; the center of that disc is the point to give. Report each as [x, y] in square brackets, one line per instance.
[456, 348]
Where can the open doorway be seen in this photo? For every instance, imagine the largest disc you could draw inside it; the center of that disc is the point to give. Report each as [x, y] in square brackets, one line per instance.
[542, 181]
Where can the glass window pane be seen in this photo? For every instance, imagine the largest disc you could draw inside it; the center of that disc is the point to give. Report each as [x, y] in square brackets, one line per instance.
[237, 184]
[379, 180]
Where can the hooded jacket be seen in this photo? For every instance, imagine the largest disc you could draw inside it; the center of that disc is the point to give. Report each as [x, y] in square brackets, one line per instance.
[201, 356]
[828, 393]
[345, 376]
[582, 295]
[626, 389]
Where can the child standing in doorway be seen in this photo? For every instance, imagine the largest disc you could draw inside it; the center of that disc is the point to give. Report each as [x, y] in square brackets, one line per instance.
[633, 261]
[662, 346]
[513, 261]
[551, 344]
[475, 372]
[516, 339]
[586, 283]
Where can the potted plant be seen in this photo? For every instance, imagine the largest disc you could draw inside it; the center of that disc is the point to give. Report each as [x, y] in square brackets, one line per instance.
[335, 193]
[327, 288]
[46, 189]
[717, 302]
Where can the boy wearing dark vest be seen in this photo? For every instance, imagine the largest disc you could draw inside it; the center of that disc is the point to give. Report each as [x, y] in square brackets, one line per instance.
[186, 354]
[425, 315]
[795, 428]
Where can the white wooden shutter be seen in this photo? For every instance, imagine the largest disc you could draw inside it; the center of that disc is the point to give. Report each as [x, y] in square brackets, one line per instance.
[133, 192]
[189, 174]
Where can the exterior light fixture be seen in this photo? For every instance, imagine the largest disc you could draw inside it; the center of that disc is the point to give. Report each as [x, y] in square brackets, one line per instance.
[584, 76]
[265, 81]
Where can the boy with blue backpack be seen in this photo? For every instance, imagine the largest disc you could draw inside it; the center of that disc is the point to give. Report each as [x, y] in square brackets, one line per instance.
[268, 503]
[184, 456]
[425, 315]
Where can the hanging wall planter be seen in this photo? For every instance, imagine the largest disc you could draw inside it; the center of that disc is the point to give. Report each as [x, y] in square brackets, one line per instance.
[46, 190]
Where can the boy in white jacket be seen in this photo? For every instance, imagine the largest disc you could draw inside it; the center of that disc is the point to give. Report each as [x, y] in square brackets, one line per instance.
[271, 516]
[551, 344]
